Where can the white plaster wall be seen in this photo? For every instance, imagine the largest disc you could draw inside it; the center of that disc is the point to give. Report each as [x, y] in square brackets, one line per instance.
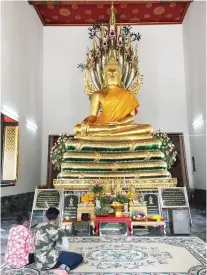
[194, 38]
[21, 86]
[162, 98]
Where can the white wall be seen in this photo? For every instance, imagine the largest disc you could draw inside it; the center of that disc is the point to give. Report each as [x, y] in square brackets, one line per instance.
[194, 38]
[21, 59]
[162, 98]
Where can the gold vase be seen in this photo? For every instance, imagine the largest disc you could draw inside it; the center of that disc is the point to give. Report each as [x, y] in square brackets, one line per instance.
[97, 195]
[91, 198]
[131, 198]
[118, 210]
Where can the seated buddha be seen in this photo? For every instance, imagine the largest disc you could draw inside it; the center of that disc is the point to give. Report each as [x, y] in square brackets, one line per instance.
[118, 110]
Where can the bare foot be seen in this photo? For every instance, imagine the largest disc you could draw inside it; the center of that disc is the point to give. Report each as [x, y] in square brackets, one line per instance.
[59, 271]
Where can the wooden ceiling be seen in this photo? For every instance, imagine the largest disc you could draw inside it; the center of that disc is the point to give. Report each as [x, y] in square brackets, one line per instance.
[84, 13]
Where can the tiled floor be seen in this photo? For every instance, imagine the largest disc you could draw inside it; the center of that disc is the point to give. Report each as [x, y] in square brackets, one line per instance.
[198, 227]
[199, 222]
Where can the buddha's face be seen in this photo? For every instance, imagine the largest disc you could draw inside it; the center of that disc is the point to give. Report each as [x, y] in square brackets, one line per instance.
[112, 77]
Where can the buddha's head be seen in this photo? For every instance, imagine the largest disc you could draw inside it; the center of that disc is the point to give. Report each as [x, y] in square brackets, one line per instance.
[112, 72]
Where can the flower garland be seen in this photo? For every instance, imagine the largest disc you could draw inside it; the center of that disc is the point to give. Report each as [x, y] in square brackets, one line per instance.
[57, 151]
[122, 198]
[167, 147]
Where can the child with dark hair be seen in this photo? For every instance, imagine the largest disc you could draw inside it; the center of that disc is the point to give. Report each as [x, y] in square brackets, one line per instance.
[48, 246]
[20, 247]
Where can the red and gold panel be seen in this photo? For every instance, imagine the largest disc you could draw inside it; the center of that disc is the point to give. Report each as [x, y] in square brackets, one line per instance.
[58, 13]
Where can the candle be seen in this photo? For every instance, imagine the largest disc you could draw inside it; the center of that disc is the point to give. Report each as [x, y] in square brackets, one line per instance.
[98, 203]
[112, 184]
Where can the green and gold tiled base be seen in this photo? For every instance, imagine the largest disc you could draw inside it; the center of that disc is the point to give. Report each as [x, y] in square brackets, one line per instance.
[139, 163]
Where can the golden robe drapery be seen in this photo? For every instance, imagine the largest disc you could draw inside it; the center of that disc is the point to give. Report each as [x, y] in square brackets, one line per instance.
[116, 105]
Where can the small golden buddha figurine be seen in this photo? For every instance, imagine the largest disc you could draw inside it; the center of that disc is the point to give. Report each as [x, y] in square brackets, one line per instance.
[150, 200]
[119, 108]
[71, 202]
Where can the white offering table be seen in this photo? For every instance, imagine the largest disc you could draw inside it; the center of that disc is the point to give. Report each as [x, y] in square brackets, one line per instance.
[160, 224]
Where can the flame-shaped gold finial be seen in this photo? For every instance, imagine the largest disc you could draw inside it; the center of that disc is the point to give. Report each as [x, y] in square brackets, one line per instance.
[112, 22]
[112, 15]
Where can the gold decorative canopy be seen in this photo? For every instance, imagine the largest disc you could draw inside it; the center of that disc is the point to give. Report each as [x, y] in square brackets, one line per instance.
[112, 41]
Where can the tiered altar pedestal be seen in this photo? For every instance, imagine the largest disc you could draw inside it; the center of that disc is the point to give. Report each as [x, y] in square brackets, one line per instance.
[136, 163]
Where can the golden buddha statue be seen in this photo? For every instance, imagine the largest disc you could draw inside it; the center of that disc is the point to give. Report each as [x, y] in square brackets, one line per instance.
[119, 107]
[107, 144]
[108, 77]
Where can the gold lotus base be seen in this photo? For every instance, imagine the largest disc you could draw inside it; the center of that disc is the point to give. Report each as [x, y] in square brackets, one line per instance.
[85, 184]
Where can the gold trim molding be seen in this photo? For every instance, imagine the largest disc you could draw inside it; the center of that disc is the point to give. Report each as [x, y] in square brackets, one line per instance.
[80, 144]
[115, 137]
[85, 184]
[115, 166]
[104, 175]
[97, 156]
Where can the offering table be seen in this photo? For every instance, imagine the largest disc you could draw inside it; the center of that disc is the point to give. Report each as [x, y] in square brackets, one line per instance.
[160, 224]
[68, 224]
[112, 219]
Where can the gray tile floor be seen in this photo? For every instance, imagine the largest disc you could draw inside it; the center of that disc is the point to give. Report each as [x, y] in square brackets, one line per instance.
[198, 227]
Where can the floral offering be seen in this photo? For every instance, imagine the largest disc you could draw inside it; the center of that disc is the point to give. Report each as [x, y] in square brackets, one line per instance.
[97, 188]
[57, 151]
[167, 147]
[106, 200]
[139, 216]
[122, 198]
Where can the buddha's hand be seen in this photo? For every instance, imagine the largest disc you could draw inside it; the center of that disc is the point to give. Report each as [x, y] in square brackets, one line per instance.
[89, 120]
